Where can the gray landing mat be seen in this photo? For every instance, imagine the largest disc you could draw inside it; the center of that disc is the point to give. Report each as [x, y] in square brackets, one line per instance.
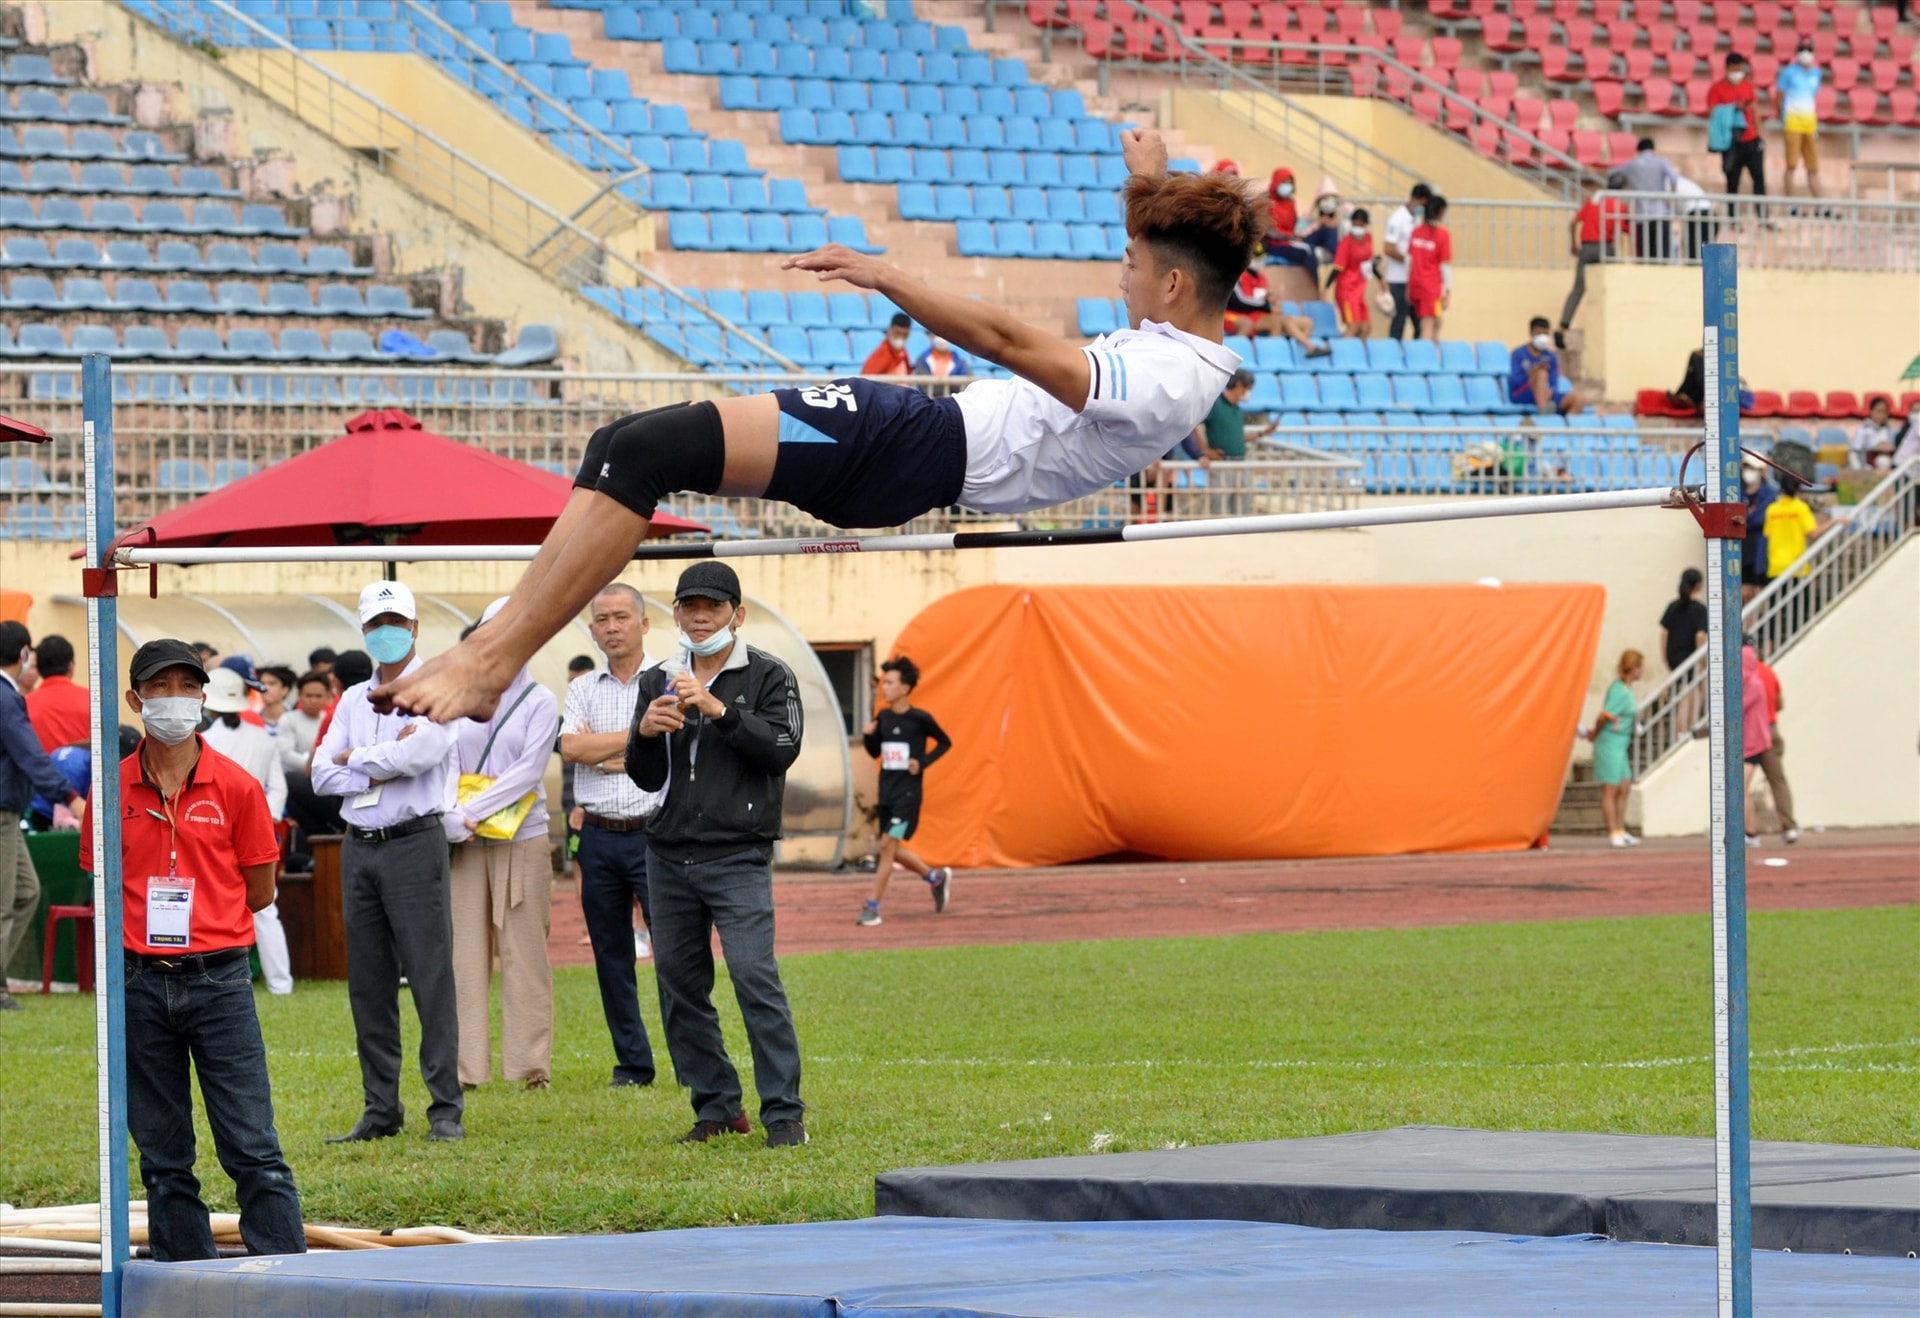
[1819, 1198]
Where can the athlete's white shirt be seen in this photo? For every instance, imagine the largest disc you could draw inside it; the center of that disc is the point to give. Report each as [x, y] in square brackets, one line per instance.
[1147, 389]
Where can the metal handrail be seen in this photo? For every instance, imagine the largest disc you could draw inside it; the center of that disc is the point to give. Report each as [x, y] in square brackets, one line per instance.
[1838, 233]
[614, 147]
[193, 20]
[1779, 615]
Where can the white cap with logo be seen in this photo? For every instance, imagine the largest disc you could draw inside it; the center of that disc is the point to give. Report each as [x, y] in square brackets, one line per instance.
[380, 597]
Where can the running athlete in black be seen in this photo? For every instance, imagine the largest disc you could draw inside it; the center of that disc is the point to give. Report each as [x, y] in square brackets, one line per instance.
[1075, 418]
[899, 735]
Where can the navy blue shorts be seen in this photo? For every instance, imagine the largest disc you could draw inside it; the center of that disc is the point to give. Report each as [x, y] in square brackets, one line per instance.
[857, 453]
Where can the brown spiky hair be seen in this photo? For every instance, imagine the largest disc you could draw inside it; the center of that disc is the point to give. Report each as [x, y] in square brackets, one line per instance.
[1209, 225]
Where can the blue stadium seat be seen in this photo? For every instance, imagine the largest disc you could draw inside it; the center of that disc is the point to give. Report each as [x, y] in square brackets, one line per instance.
[1050, 239]
[847, 230]
[918, 202]
[949, 201]
[809, 231]
[1264, 396]
[81, 293]
[1423, 356]
[215, 217]
[730, 231]
[1088, 241]
[1273, 353]
[291, 299]
[253, 345]
[632, 116]
[1374, 389]
[1300, 392]
[1064, 204]
[990, 203]
[1410, 392]
[1337, 393]
[1495, 357]
[130, 294]
[1043, 169]
[993, 102]
[710, 193]
[929, 166]
[790, 342]
[1457, 357]
[1386, 355]
[807, 308]
[767, 307]
[1006, 167]
[687, 232]
[829, 346]
[239, 297]
[1075, 171]
[1096, 316]
[975, 238]
[969, 165]
[1349, 355]
[171, 254]
[1447, 392]
[798, 127]
[1485, 393]
[1028, 203]
[856, 165]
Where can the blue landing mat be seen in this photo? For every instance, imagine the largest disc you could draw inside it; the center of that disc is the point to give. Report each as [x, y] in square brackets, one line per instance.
[899, 1267]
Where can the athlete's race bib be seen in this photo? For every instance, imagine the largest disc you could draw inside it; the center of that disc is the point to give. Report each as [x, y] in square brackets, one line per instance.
[169, 912]
[894, 756]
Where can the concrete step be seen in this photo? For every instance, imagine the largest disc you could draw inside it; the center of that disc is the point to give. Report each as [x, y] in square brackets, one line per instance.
[1579, 810]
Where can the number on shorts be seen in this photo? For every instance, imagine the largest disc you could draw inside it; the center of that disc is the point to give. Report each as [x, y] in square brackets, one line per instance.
[830, 396]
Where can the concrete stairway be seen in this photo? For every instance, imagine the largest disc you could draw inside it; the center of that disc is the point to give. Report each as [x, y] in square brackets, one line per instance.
[1044, 292]
[1579, 811]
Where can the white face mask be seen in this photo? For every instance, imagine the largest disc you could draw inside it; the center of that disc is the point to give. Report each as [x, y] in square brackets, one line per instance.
[1882, 461]
[713, 645]
[1543, 342]
[1358, 231]
[1284, 190]
[1736, 75]
[1750, 478]
[170, 720]
[1806, 59]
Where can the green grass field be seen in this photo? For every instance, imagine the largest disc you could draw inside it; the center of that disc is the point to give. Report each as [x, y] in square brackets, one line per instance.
[973, 1054]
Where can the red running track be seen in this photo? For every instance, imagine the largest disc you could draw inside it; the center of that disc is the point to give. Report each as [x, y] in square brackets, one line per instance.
[1578, 878]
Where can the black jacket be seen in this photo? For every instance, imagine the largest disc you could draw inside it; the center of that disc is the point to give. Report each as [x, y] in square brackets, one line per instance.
[725, 779]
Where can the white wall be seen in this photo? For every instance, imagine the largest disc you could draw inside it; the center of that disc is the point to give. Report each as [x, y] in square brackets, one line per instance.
[1850, 717]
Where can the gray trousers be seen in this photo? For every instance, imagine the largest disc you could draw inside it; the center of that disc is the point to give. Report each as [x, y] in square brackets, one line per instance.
[1589, 255]
[19, 889]
[395, 902]
[733, 895]
[1773, 765]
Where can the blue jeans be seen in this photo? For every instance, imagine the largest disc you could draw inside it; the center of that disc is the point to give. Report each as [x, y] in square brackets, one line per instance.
[207, 1019]
[613, 874]
[734, 895]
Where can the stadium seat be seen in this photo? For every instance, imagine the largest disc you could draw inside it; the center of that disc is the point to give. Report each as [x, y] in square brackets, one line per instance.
[1801, 404]
[1422, 357]
[1766, 403]
[1387, 356]
[1840, 405]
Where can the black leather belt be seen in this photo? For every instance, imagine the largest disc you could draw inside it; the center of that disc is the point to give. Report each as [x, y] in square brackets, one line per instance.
[612, 825]
[405, 828]
[186, 963]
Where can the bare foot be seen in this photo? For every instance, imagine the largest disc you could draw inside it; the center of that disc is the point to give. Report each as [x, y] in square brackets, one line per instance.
[464, 682]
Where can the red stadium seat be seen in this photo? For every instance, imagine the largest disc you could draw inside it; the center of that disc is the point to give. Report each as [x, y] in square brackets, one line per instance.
[1352, 21]
[1047, 13]
[1885, 74]
[1451, 11]
[1410, 51]
[1503, 82]
[1460, 113]
[1826, 45]
[1399, 83]
[1564, 114]
[1469, 82]
[1426, 106]
[1484, 136]
[1497, 108]
[1845, 74]
[1313, 24]
[1765, 403]
[1589, 149]
[1681, 67]
[1621, 147]
[1503, 33]
[1686, 13]
[1831, 107]
[1365, 76]
[1900, 47]
[1907, 400]
[1563, 10]
[1806, 19]
[1556, 140]
[1697, 90]
[1903, 105]
[1660, 99]
[1622, 37]
[1766, 18]
[1650, 402]
[1801, 405]
[1702, 38]
[1639, 65]
[1883, 17]
[1872, 396]
[1528, 111]
[1519, 150]
[1728, 14]
[1608, 97]
[1841, 405]
[1386, 23]
[1744, 41]
[1864, 102]
[1557, 65]
[1446, 52]
[1579, 35]
[1661, 37]
[1766, 68]
[1647, 12]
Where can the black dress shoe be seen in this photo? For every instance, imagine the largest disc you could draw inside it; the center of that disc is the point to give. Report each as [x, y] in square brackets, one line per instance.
[628, 1082]
[365, 1129]
[446, 1130]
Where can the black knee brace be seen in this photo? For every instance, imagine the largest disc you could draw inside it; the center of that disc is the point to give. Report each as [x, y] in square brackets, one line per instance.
[640, 459]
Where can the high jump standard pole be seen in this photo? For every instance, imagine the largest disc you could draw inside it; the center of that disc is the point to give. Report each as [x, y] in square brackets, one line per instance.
[1733, 1188]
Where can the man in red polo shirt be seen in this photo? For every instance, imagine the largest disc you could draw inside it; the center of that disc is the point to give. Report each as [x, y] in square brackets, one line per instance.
[58, 708]
[197, 859]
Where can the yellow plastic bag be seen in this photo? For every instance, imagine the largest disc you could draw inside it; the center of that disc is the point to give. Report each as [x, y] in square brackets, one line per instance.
[502, 824]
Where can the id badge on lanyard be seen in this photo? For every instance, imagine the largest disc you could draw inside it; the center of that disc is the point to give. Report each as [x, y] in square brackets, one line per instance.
[169, 897]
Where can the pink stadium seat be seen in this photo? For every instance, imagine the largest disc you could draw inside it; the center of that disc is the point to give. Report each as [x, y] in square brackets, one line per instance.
[1460, 113]
[1497, 108]
[1661, 37]
[1766, 17]
[1527, 112]
[1503, 82]
[1608, 97]
[1469, 82]
[1503, 33]
[1313, 23]
[1557, 140]
[1519, 149]
[1845, 74]
[1426, 106]
[1682, 66]
[1386, 23]
[1446, 52]
[1841, 405]
[1352, 21]
[1589, 149]
[1557, 65]
[1766, 68]
[1647, 12]
[1639, 65]
[1826, 45]
[1564, 10]
[1620, 147]
[1687, 12]
[1658, 94]
[1365, 76]
[1864, 103]
[1728, 14]
[1744, 41]
[1904, 107]
[1622, 37]
[1451, 11]
[1702, 38]
[1399, 83]
[1697, 89]
[1886, 75]
[1830, 109]
[1579, 34]
[1806, 19]
[1883, 17]
[1410, 51]
[1900, 48]
[1564, 114]
[1485, 138]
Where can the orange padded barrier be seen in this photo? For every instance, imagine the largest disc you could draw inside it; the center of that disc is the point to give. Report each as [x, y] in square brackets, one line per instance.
[1242, 722]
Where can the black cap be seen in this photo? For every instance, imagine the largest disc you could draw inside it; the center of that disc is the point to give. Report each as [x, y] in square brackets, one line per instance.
[158, 656]
[711, 580]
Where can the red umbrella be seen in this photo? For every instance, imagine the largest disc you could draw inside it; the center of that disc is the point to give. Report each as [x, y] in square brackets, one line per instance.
[386, 481]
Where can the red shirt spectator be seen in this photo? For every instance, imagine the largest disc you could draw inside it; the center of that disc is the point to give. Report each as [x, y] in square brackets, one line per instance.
[1602, 219]
[60, 713]
[890, 358]
[1430, 248]
[1742, 94]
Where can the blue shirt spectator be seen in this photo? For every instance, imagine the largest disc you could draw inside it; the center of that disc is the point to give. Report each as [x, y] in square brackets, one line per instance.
[1525, 360]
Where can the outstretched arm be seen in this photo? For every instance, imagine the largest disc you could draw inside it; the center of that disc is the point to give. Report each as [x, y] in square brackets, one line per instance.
[1047, 360]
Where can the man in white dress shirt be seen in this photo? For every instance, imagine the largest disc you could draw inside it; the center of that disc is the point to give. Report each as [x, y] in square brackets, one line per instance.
[254, 749]
[391, 771]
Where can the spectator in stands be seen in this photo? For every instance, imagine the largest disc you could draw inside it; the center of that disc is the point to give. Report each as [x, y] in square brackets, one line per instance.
[1791, 528]
[1430, 268]
[1533, 376]
[1649, 171]
[1226, 167]
[1772, 759]
[1324, 236]
[294, 738]
[1347, 278]
[276, 689]
[1797, 88]
[1612, 736]
[1592, 231]
[1300, 330]
[321, 660]
[1249, 303]
[1877, 432]
[1733, 129]
[1283, 224]
[1693, 383]
[940, 360]
[890, 358]
[1400, 226]
[1697, 220]
[1224, 433]
[59, 708]
[1759, 492]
